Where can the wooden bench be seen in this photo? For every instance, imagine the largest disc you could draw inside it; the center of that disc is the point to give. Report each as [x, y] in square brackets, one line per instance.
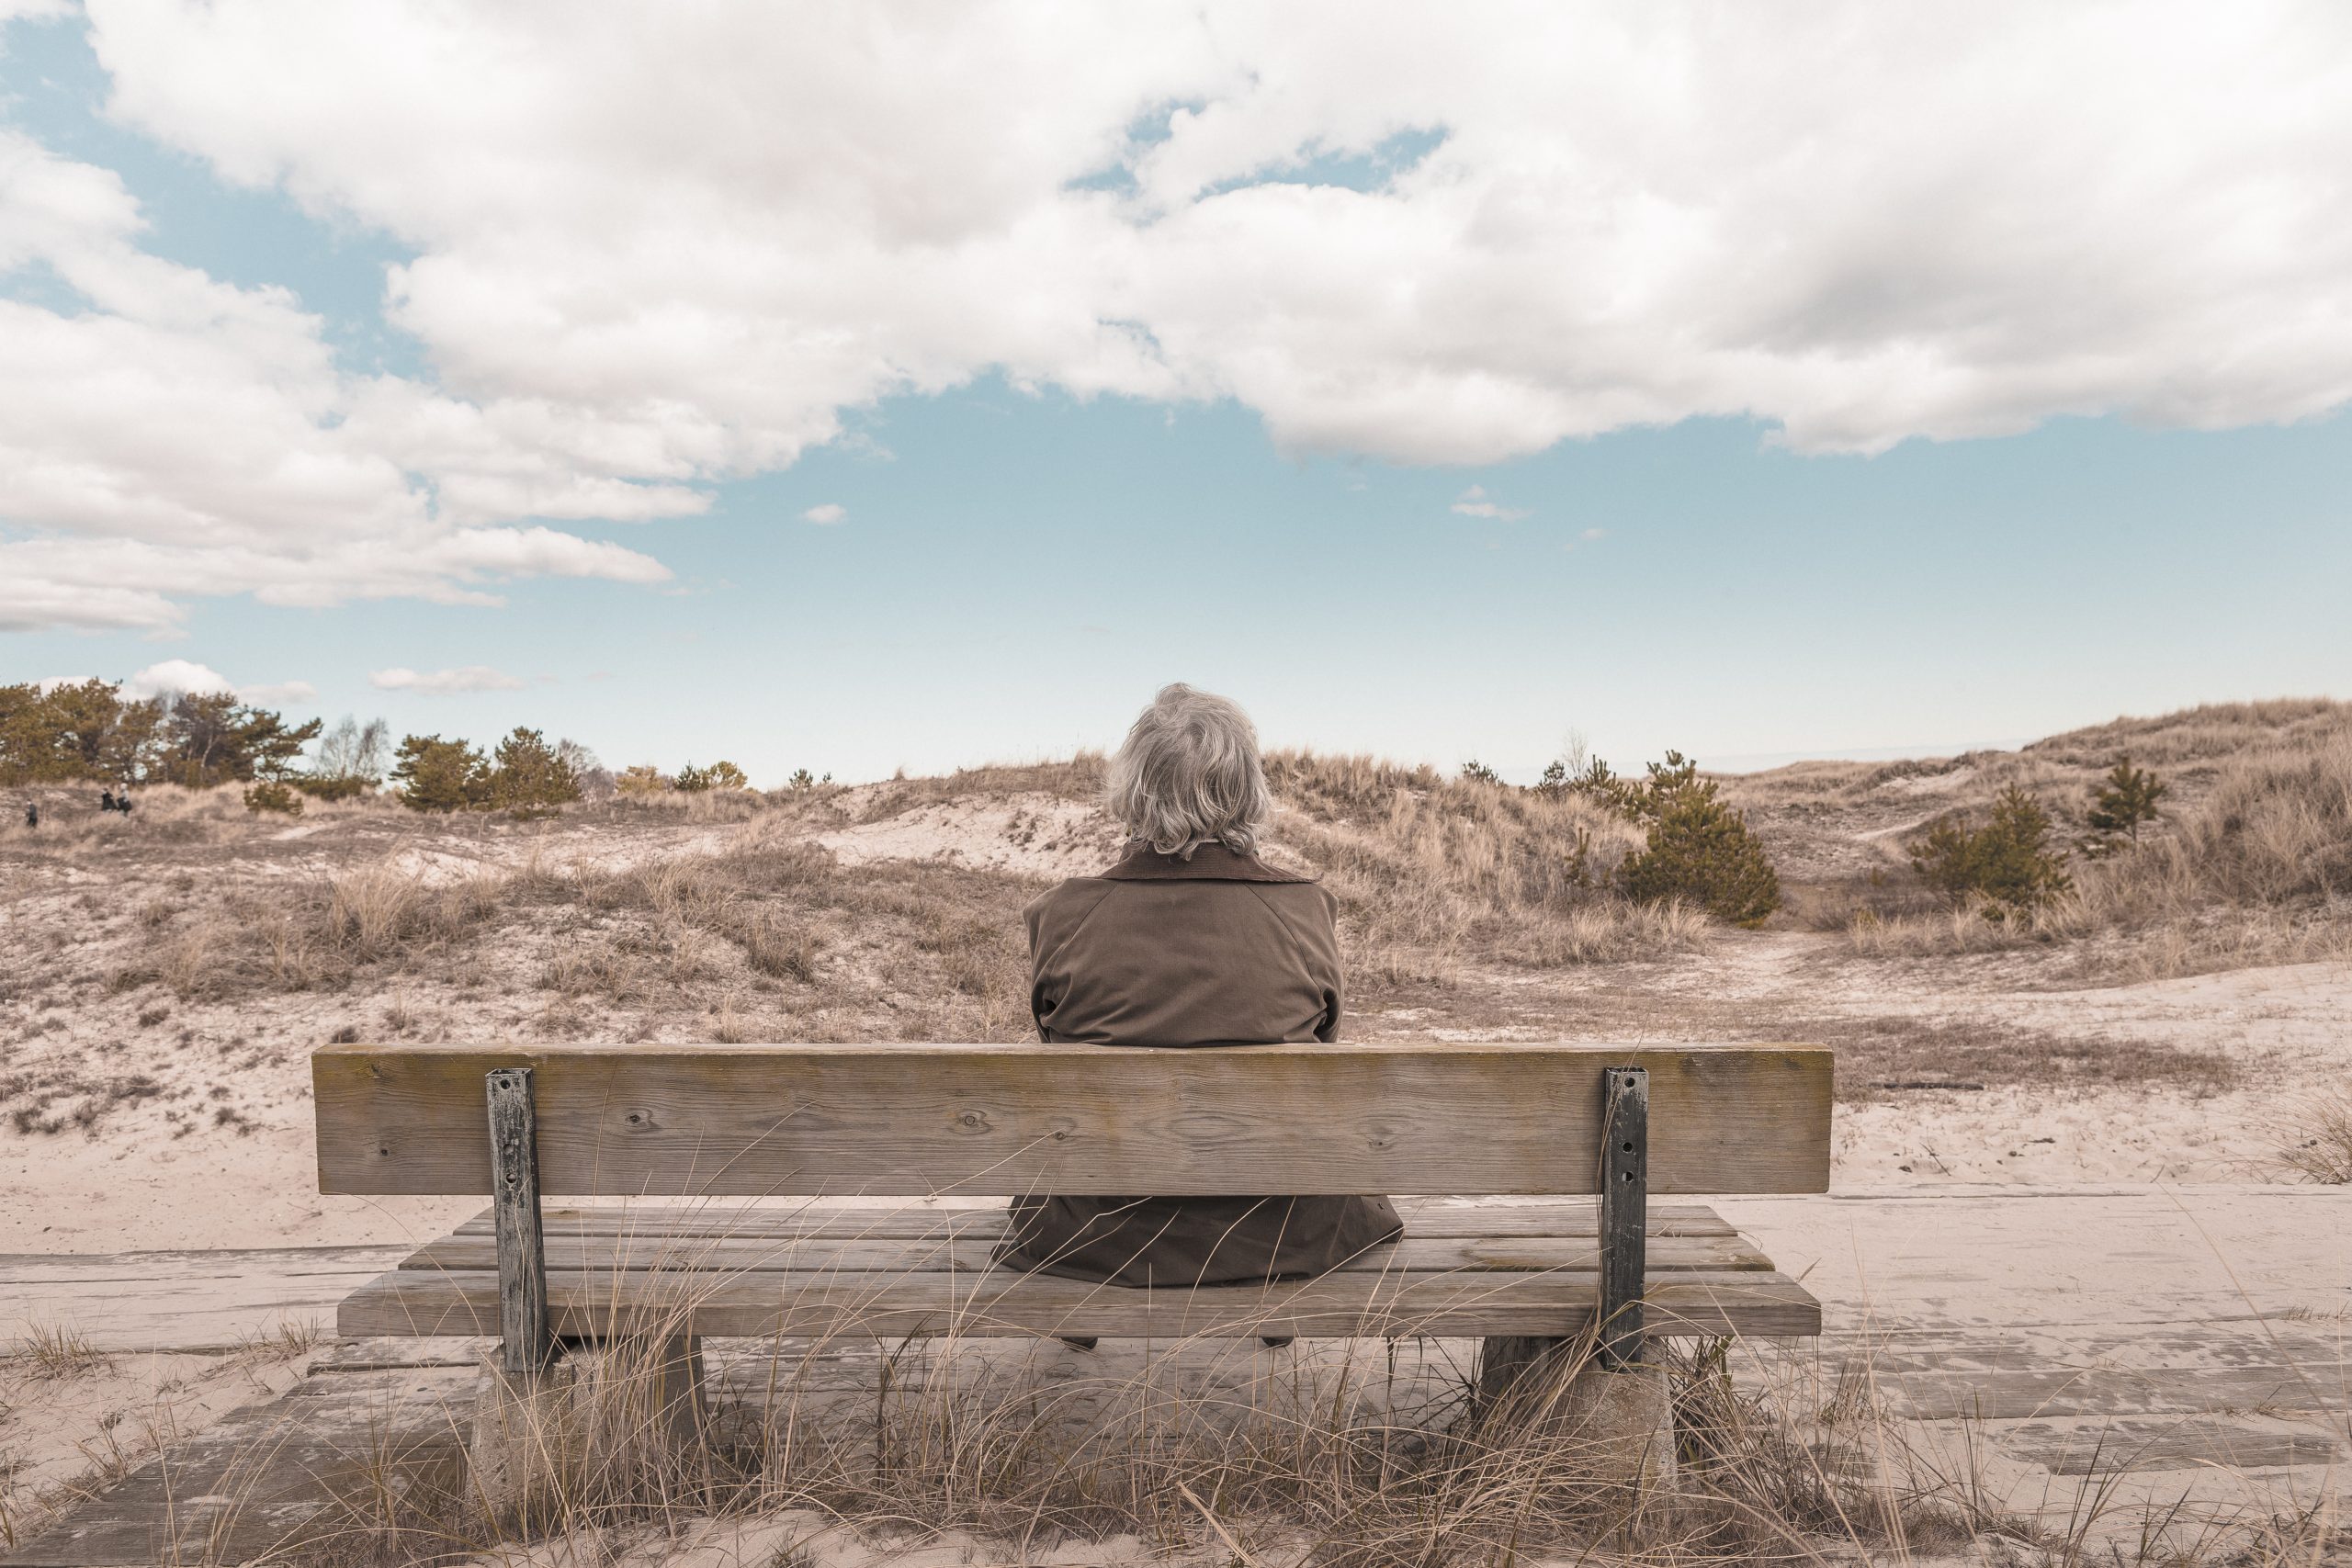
[674, 1128]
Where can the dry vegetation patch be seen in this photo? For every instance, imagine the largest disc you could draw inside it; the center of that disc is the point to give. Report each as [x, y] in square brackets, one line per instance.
[1885, 1057]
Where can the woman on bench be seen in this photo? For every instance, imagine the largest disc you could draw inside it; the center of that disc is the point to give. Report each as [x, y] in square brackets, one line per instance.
[1189, 940]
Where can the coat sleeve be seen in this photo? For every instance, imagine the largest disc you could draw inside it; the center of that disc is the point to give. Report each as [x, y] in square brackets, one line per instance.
[1326, 961]
[1044, 988]
[1053, 919]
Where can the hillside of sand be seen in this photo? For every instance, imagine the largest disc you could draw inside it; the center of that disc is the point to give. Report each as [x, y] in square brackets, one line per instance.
[2182, 1019]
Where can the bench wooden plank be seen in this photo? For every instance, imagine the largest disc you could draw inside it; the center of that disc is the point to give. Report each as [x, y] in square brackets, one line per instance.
[1422, 1216]
[425, 1301]
[848, 1120]
[968, 1253]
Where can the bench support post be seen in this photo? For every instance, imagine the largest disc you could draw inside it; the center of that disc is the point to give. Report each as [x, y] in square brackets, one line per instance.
[1507, 1362]
[526, 1347]
[1624, 1214]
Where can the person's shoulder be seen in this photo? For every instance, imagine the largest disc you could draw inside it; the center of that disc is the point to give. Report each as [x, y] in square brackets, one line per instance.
[1303, 897]
[1066, 903]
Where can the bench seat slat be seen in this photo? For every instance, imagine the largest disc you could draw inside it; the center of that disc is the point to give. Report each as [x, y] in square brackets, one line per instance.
[1438, 1303]
[969, 1253]
[1423, 1217]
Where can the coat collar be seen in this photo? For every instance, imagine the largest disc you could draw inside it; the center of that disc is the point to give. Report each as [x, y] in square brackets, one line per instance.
[1210, 862]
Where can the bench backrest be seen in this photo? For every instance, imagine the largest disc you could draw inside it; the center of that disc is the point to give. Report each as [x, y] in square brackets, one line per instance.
[895, 1119]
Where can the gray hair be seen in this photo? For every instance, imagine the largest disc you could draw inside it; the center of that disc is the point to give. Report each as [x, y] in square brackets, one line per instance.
[1189, 774]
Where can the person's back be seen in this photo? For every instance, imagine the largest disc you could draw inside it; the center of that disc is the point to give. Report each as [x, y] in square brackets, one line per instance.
[1188, 941]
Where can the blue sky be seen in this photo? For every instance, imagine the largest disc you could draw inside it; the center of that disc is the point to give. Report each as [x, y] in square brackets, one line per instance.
[1366, 543]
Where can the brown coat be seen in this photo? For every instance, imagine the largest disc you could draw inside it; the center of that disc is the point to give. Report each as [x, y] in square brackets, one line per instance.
[1220, 950]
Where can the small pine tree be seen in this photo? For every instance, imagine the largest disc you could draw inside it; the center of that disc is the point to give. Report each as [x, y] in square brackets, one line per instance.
[1700, 849]
[2128, 799]
[1477, 772]
[435, 774]
[2007, 862]
[530, 773]
[273, 794]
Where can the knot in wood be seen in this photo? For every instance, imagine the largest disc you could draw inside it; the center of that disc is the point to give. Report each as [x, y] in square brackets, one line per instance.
[973, 1121]
[637, 1118]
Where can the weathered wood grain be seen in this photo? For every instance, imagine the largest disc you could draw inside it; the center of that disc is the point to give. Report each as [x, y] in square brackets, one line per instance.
[183, 1299]
[972, 1252]
[299, 1468]
[2027, 1393]
[425, 1301]
[1422, 1216]
[849, 1121]
[1624, 1208]
[2111, 1446]
[526, 1347]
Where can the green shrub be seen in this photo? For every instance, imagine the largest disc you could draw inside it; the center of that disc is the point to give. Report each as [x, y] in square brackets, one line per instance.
[331, 787]
[529, 773]
[1477, 772]
[1701, 852]
[272, 794]
[2007, 862]
[718, 776]
[2128, 799]
[643, 778]
[435, 774]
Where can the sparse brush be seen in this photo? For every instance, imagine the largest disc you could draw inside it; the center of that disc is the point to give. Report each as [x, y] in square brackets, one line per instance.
[2319, 1140]
[1426, 867]
[59, 1350]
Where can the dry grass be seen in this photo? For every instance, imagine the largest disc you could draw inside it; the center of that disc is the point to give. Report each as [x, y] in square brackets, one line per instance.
[1432, 871]
[2318, 1146]
[2258, 870]
[757, 923]
[1874, 1054]
[1354, 1458]
[58, 1351]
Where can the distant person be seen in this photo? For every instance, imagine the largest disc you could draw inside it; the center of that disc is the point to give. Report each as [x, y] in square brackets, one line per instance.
[1191, 939]
[32, 814]
[122, 802]
[106, 800]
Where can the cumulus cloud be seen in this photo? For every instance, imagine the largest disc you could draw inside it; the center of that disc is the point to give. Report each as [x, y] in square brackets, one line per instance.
[445, 682]
[652, 249]
[173, 676]
[180, 436]
[826, 514]
[1476, 502]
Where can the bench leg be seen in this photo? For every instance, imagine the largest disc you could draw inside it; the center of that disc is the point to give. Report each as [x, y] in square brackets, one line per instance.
[1511, 1370]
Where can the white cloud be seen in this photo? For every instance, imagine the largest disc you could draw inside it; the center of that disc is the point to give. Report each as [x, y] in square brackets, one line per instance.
[655, 249]
[182, 437]
[1476, 502]
[173, 676]
[445, 682]
[826, 514]
[279, 691]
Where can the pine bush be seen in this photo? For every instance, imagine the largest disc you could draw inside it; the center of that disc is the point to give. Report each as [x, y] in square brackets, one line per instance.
[1700, 851]
[2007, 862]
